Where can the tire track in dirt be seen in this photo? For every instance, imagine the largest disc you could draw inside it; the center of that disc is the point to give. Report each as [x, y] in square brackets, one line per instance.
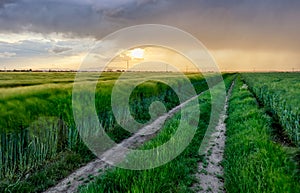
[210, 171]
[94, 168]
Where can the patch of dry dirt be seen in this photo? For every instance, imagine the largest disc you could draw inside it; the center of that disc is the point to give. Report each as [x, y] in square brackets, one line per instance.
[210, 172]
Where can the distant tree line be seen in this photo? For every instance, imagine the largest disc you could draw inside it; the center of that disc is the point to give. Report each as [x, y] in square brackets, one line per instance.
[30, 70]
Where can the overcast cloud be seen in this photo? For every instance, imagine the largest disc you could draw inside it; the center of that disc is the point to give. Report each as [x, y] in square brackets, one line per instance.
[219, 24]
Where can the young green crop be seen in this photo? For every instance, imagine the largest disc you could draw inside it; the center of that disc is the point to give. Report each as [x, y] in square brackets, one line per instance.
[176, 175]
[279, 92]
[253, 162]
[37, 124]
[172, 177]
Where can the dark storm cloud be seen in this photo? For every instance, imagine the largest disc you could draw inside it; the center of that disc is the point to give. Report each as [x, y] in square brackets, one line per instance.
[79, 18]
[133, 9]
[5, 2]
[220, 24]
[48, 16]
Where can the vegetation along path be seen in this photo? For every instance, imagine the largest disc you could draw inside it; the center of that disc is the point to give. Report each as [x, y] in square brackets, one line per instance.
[210, 172]
[96, 167]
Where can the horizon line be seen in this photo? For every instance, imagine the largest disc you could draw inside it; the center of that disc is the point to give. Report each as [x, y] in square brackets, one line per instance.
[120, 71]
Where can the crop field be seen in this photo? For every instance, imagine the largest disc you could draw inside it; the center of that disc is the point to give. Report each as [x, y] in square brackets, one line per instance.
[41, 143]
[280, 94]
[254, 160]
[37, 124]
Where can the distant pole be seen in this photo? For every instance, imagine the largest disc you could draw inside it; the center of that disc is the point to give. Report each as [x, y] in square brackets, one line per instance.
[127, 65]
[166, 67]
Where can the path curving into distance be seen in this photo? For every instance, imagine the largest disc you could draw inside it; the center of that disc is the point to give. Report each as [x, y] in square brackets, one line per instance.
[94, 168]
[210, 172]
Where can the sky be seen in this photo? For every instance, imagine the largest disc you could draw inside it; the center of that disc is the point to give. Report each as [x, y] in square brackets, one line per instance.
[241, 35]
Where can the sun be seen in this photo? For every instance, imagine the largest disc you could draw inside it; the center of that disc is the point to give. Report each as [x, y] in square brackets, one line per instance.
[137, 53]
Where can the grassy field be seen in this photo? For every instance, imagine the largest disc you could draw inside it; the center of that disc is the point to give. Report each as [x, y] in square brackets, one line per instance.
[37, 124]
[175, 176]
[279, 93]
[253, 161]
[40, 143]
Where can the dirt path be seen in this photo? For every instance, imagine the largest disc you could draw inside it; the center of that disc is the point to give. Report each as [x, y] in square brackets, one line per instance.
[210, 172]
[115, 154]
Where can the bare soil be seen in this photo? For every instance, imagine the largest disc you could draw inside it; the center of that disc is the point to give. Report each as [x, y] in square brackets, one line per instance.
[210, 172]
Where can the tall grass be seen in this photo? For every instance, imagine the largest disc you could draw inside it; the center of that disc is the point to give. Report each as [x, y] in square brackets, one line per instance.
[253, 162]
[174, 176]
[36, 126]
[279, 92]
[22, 151]
[171, 177]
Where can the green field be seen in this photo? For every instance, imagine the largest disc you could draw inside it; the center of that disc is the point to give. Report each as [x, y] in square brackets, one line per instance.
[37, 123]
[254, 161]
[40, 143]
[279, 93]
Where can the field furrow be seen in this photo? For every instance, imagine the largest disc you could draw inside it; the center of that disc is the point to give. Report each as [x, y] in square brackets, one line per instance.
[210, 171]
